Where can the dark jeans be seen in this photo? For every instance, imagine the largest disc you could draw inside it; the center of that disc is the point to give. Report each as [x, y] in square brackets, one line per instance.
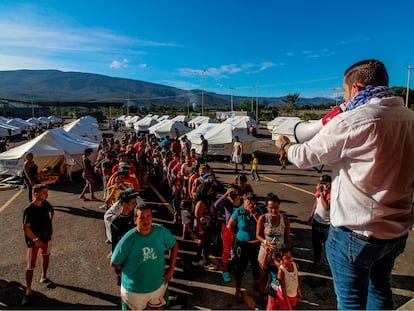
[319, 236]
[245, 253]
[361, 268]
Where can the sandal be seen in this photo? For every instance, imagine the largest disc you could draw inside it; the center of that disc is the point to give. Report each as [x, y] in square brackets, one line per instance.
[48, 283]
[239, 296]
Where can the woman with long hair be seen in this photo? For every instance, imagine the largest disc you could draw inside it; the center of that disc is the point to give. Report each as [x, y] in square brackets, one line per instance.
[204, 214]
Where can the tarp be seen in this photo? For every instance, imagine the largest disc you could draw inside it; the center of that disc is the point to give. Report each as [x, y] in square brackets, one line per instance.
[220, 139]
[84, 128]
[49, 148]
[168, 127]
[285, 127]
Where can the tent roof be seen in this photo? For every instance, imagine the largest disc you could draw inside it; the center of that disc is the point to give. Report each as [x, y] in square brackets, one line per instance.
[218, 133]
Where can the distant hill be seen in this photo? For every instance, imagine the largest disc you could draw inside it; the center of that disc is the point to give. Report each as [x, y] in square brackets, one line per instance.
[58, 86]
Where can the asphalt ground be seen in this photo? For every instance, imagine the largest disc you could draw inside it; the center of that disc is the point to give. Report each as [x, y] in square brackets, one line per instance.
[80, 268]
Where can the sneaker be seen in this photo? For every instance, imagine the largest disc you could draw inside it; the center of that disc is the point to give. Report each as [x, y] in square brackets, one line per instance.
[211, 267]
[226, 277]
[199, 263]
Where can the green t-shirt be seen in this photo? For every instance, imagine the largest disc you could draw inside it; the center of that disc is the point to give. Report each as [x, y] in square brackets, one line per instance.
[142, 259]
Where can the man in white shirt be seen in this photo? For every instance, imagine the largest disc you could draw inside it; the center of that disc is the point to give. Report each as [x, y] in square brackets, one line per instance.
[370, 146]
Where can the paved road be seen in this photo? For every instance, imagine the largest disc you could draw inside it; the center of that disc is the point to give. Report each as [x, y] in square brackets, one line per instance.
[80, 267]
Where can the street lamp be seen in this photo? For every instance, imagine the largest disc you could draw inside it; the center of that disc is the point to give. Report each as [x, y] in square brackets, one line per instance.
[231, 98]
[257, 102]
[202, 90]
[408, 85]
[336, 89]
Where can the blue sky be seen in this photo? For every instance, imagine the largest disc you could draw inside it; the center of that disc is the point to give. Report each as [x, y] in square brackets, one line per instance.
[279, 46]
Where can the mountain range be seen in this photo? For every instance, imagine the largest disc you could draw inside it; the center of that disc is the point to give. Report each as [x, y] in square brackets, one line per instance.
[59, 86]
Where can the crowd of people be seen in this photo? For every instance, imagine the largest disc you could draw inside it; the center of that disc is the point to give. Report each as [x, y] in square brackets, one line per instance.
[225, 216]
[362, 215]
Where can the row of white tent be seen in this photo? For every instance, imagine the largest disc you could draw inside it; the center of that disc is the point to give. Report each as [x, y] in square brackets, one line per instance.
[15, 126]
[64, 145]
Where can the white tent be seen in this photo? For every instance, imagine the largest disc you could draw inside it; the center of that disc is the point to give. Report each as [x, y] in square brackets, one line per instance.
[168, 127]
[45, 120]
[9, 130]
[197, 121]
[49, 149]
[164, 117]
[220, 139]
[279, 121]
[34, 121]
[144, 124]
[241, 122]
[129, 121]
[21, 124]
[55, 120]
[84, 128]
[181, 118]
[285, 127]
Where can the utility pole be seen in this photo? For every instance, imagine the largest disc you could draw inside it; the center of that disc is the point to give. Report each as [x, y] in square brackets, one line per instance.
[231, 99]
[257, 102]
[408, 85]
[202, 94]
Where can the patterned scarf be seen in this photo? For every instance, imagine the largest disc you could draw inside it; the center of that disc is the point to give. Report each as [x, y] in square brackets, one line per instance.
[370, 91]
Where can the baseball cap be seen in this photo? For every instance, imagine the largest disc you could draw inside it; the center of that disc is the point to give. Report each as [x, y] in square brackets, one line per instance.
[207, 175]
[324, 179]
[130, 194]
[123, 164]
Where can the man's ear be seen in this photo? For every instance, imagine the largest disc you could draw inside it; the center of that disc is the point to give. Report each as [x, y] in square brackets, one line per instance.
[356, 88]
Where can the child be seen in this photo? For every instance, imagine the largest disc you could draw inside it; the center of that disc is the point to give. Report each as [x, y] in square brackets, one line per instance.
[177, 189]
[255, 166]
[288, 289]
[186, 217]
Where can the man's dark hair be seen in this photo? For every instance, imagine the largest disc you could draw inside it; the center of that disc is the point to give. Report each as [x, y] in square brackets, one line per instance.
[141, 207]
[39, 187]
[272, 197]
[367, 72]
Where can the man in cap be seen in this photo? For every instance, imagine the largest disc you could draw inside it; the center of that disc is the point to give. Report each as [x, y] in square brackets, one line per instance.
[115, 210]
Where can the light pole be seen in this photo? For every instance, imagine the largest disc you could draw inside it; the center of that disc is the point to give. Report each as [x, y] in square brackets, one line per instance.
[31, 99]
[336, 89]
[231, 98]
[257, 102]
[202, 89]
[202, 93]
[408, 85]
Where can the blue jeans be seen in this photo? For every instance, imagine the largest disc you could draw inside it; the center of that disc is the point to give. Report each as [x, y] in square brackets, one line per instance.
[361, 268]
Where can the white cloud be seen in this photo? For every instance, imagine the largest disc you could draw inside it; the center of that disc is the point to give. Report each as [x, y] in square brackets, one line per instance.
[117, 64]
[142, 66]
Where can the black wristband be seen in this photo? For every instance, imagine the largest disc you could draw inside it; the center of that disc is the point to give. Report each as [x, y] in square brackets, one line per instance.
[283, 145]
